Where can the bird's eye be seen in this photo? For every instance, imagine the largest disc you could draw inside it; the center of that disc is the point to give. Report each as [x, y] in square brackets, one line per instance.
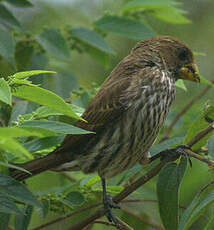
[183, 54]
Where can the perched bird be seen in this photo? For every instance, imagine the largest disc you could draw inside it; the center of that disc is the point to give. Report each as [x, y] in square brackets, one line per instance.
[126, 114]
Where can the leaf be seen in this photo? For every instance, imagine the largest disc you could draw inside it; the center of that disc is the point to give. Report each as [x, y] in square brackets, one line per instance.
[13, 166]
[165, 10]
[205, 81]
[12, 132]
[7, 45]
[90, 181]
[7, 18]
[165, 145]
[54, 43]
[5, 94]
[75, 198]
[7, 205]
[180, 84]
[195, 209]
[168, 185]
[11, 145]
[44, 97]
[56, 126]
[44, 111]
[4, 221]
[18, 3]
[91, 38]
[26, 74]
[17, 190]
[199, 124]
[22, 221]
[123, 26]
[210, 146]
[43, 143]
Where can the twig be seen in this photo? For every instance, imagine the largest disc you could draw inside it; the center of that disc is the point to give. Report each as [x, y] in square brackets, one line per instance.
[123, 225]
[135, 185]
[145, 220]
[184, 110]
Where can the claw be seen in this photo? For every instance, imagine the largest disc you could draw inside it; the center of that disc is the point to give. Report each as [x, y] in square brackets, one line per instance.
[108, 205]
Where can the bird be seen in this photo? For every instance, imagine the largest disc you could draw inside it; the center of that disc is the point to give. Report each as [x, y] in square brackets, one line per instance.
[125, 115]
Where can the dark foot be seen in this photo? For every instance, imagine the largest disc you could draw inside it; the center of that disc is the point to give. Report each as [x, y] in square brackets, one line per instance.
[108, 205]
[178, 150]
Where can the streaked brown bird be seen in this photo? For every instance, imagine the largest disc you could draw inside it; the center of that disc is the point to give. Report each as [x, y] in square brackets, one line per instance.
[126, 114]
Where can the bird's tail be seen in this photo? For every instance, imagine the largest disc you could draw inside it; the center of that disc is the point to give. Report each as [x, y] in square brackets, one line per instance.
[34, 167]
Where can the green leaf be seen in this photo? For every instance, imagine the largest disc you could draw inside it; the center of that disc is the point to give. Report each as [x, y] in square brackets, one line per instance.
[205, 81]
[210, 146]
[75, 198]
[17, 190]
[44, 111]
[123, 26]
[44, 97]
[165, 10]
[180, 84]
[195, 209]
[11, 145]
[4, 221]
[4, 164]
[5, 93]
[12, 132]
[7, 18]
[210, 224]
[26, 74]
[20, 3]
[54, 43]
[56, 126]
[168, 185]
[199, 124]
[43, 143]
[90, 181]
[91, 38]
[22, 221]
[7, 205]
[7, 45]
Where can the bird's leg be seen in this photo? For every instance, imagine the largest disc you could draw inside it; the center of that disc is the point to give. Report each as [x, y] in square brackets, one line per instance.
[109, 204]
[180, 150]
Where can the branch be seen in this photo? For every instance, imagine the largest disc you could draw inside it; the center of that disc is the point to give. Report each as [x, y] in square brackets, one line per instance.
[142, 180]
[184, 110]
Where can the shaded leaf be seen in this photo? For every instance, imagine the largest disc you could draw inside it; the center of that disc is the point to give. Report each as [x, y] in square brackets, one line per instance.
[168, 185]
[43, 143]
[7, 205]
[54, 43]
[44, 97]
[20, 3]
[4, 164]
[56, 126]
[75, 198]
[7, 45]
[17, 190]
[4, 221]
[22, 221]
[92, 38]
[195, 209]
[7, 18]
[5, 93]
[123, 26]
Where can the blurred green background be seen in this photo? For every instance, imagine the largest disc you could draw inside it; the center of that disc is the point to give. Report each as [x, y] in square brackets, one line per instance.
[81, 70]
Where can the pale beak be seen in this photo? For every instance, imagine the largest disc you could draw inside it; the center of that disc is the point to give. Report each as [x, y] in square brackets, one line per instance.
[189, 72]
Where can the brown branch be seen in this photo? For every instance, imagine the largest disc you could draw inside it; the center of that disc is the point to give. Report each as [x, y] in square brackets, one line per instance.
[135, 185]
[184, 110]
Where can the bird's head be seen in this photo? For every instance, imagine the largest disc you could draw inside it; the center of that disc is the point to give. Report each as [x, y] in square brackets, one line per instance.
[171, 54]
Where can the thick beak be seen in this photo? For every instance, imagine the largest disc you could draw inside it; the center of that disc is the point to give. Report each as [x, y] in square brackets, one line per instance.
[189, 72]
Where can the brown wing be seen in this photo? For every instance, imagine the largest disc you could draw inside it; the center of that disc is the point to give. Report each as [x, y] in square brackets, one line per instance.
[105, 107]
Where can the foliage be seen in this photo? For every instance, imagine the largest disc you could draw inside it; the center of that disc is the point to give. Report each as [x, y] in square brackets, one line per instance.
[34, 119]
